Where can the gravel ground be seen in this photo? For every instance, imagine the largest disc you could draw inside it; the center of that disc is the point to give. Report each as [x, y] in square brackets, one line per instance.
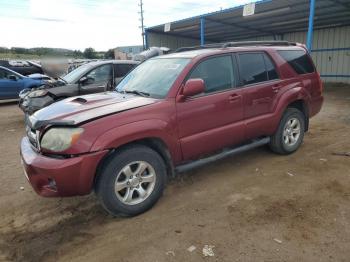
[257, 206]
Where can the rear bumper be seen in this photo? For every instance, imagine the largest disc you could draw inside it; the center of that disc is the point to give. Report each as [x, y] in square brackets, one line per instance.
[316, 105]
[51, 177]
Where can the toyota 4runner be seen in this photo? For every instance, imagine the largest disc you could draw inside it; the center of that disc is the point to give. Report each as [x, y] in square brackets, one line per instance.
[170, 114]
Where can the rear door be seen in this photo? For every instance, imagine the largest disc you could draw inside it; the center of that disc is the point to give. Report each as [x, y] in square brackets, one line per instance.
[212, 120]
[260, 80]
[99, 79]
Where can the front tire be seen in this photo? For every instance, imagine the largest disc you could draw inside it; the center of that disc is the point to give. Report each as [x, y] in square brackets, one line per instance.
[290, 132]
[131, 181]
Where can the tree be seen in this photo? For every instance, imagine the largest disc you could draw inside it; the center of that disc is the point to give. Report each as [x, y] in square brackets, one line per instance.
[90, 53]
[4, 50]
[109, 54]
[77, 54]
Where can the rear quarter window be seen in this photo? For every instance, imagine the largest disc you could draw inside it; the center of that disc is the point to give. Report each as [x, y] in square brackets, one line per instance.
[298, 60]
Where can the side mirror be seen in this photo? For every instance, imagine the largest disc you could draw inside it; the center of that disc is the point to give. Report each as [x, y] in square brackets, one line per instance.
[12, 77]
[86, 80]
[193, 87]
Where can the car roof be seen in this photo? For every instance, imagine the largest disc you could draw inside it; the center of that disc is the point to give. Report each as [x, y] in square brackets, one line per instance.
[212, 51]
[96, 63]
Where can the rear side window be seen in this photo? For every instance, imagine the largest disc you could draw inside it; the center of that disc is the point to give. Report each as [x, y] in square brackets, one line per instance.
[299, 60]
[216, 72]
[270, 68]
[252, 68]
[122, 69]
[3, 74]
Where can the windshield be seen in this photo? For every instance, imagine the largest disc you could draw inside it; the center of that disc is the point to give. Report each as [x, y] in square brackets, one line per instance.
[153, 77]
[76, 73]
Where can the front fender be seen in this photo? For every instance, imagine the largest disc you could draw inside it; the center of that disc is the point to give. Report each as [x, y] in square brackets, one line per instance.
[152, 128]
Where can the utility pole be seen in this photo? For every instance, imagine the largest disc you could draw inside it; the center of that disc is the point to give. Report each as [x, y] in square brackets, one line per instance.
[142, 24]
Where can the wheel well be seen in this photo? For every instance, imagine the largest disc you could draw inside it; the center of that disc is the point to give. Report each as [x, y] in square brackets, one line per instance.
[161, 148]
[154, 143]
[301, 105]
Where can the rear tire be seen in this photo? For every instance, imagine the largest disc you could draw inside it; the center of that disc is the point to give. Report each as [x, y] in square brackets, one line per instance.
[131, 181]
[290, 132]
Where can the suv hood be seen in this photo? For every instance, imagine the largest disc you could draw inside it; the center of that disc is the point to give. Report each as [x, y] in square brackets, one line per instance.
[75, 110]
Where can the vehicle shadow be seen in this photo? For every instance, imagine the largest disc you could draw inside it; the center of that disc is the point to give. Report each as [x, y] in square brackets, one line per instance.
[77, 215]
[8, 102]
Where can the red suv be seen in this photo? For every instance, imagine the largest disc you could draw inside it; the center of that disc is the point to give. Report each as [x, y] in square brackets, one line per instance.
[170, 114]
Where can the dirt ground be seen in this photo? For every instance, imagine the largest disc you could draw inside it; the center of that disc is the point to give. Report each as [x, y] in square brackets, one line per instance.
[257, 206]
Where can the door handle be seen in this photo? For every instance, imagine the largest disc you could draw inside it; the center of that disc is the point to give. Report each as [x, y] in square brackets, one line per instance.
[276, 88]
[234, 97]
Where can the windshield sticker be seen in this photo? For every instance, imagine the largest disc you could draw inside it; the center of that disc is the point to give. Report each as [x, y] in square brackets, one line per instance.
[171, 66]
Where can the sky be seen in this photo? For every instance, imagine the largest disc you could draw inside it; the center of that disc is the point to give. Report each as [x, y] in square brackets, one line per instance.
[101, 24]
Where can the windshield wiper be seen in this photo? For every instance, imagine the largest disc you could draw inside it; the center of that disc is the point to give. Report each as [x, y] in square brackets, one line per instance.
[140, 93]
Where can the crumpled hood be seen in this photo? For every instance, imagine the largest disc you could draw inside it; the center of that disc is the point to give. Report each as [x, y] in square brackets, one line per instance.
[75, 110]
[37, 76]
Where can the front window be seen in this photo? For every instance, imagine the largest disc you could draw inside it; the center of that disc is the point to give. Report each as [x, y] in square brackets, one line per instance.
[73, 76]
[153, 77]
[217, 73]
[100, 74]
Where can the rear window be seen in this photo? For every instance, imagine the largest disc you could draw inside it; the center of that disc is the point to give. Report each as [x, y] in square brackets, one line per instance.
[270, 68]
[298, 60]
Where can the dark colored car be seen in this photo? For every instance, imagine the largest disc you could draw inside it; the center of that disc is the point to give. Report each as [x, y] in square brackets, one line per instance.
[12, 83]
[170, 114]
[89, 78]
[22, 67]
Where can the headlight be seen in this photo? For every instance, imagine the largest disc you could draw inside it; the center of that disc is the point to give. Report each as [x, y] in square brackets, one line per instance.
[38, 93]
[24, 93]
[60, 139]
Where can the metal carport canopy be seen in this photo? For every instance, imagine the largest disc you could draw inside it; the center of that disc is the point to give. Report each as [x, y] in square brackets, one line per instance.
[271, 18]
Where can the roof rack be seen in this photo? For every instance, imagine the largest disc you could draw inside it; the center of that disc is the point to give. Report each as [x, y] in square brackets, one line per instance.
[191, 48]
[257, 43]
[237, 44]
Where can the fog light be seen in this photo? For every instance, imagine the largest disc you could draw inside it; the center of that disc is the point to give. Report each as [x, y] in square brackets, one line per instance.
[52, 184]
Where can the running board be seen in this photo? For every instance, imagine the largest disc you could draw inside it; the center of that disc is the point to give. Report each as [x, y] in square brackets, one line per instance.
[225, 153]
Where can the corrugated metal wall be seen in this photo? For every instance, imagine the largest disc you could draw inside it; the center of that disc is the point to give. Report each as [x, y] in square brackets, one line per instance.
[330, 52]
[173, 42]
[331, 49]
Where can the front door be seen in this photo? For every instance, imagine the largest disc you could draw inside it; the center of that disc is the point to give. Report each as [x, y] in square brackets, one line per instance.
[212, 120]
[98, 80]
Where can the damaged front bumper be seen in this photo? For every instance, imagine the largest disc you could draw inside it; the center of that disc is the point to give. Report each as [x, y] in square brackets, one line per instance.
[31, 104]
[54, 177]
